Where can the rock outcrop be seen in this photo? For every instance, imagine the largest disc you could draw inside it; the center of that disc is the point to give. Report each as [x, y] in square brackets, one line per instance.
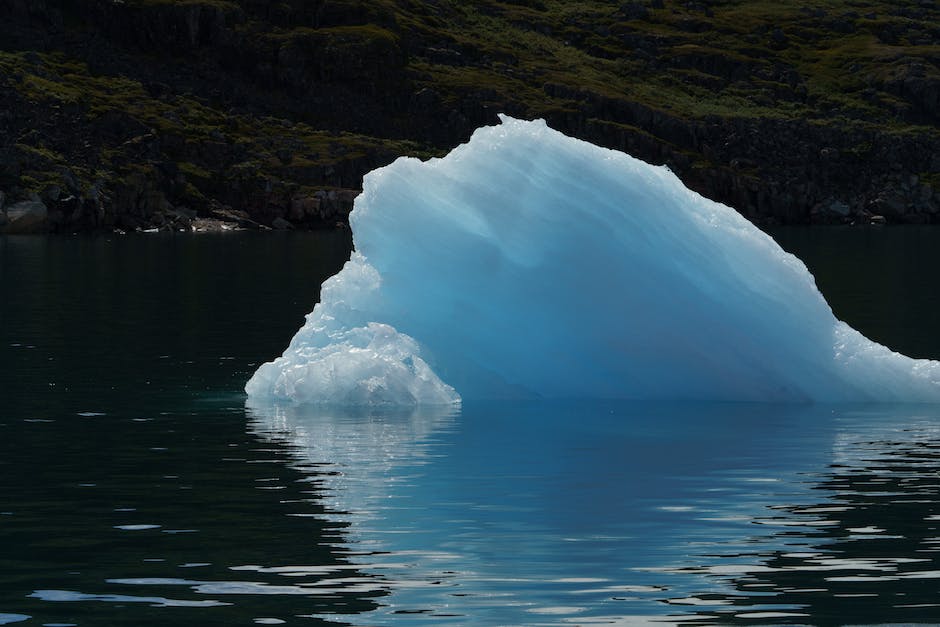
[145, 114]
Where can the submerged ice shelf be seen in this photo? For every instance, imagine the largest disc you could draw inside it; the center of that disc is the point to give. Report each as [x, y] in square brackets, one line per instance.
[529, 264]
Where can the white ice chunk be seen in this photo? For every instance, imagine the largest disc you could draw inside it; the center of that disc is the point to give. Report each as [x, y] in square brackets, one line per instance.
[526, 263]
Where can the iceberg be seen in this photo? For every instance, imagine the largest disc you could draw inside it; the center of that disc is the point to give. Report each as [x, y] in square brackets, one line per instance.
[528, 264]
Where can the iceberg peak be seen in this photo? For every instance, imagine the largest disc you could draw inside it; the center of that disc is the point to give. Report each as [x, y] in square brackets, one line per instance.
[529, 264]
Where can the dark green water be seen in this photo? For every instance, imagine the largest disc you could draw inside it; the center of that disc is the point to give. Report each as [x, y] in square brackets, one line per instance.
[124, 448]
[882, 281]
[136, 488]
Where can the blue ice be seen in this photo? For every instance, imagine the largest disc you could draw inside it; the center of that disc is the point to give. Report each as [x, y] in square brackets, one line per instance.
[528, 264]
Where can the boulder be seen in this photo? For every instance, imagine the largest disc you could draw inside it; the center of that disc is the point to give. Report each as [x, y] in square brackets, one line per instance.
[28, 216]
[890, 203]
[281, 224]
[304, 207]
[839, 208]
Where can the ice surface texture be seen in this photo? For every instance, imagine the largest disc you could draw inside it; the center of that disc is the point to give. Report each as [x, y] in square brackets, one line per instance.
[526, 263]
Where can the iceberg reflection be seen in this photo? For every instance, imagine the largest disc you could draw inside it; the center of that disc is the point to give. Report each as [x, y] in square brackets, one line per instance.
[356, 453]
[875, 560]
[537, 513]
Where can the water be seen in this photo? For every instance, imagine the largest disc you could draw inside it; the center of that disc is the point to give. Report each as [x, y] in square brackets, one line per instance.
[877, 279]
[136, 487]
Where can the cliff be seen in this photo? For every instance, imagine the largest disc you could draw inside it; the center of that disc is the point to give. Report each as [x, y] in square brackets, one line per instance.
[142, 114]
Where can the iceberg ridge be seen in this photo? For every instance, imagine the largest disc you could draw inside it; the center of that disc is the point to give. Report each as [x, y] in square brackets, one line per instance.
[529, 264]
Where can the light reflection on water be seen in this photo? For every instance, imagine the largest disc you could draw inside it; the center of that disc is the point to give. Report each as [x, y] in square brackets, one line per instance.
[611, 513]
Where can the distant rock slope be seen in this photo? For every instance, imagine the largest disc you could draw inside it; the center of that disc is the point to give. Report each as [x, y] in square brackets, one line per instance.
[163, 114]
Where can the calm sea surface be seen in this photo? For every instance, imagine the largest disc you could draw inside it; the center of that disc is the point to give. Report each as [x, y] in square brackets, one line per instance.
[137, 487]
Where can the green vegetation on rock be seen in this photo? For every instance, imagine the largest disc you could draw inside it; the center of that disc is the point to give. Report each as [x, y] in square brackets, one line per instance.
[155, 113]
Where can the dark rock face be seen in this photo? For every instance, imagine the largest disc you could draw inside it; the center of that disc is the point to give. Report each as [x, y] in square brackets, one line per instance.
[168, 27]
[147, 114]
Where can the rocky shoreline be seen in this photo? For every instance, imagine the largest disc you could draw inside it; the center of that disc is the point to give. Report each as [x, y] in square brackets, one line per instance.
[67, 211]
[56, 212]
